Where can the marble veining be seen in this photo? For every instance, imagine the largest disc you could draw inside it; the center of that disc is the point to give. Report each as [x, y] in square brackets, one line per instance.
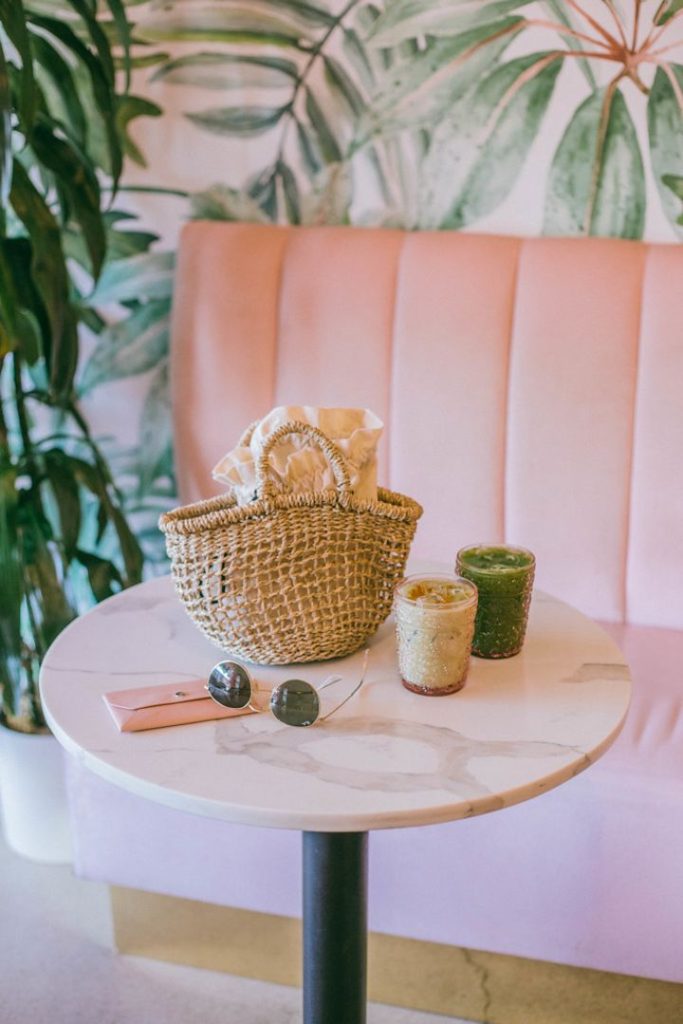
[589, 673]
[162, 674]
[387, 758]
[287, 750]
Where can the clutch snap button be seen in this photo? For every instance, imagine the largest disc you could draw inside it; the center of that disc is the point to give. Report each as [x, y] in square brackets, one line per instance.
[180, 693]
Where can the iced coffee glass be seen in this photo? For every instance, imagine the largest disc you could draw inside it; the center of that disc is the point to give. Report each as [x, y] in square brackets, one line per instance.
[434, 615]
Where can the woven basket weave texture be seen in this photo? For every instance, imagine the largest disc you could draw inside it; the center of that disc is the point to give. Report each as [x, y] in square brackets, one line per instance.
[288, 578]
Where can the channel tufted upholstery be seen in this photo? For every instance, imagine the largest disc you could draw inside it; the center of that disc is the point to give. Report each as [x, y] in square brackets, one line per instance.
[531, 391]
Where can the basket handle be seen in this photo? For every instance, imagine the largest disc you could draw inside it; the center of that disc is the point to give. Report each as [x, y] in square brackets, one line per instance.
[265, 486]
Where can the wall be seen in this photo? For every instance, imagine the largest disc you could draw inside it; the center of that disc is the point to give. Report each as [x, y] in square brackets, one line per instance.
[561, 117]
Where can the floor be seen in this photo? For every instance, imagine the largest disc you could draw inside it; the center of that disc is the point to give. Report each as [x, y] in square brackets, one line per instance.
[57, 966]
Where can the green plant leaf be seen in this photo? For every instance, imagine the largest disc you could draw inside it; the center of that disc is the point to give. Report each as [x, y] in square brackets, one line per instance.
[558, 9]
[11, 589]
[424, 89]
[13, 21]
[97, 36]
[310, 152]
[315, 15]
[379, 59]
[676, 186]
[21, 306]
[60, 88]
[123, 29]
[325, 139]
[103, 576]
[12, 675]
[223, 203]
[43, 573]
[228, 71]
[91, 478]
[357, 57]
[64, 487]
[156, 427]
[130, 549]
[7, 342]
[240, 121]
[329, 200]
[90, 71]
[260, 23]
[665, 129]
[91, 319]
[413, 19]
[5, 131]
[78, 180]
[140, 278]
[477, 151]
[30, 336]
[50, 275]
[343, 85]
[127, 109]
[9, 300]
[121, 244]
[667, 10]
[596, 184]
[145, 60]
[129, 347]
[290, 189]
[262, 188]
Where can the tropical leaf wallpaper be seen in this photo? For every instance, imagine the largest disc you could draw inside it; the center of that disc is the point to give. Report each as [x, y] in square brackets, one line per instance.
[562, 117]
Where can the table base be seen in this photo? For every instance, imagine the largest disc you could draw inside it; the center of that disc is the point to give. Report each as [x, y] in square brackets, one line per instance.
[335, 927]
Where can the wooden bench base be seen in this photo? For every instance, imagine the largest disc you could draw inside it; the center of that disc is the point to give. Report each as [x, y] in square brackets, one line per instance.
[404, 972]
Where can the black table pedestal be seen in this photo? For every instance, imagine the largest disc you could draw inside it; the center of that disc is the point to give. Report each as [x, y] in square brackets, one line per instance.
[335, 935]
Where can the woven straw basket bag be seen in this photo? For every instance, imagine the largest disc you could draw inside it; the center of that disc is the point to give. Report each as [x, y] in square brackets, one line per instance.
[291, 577]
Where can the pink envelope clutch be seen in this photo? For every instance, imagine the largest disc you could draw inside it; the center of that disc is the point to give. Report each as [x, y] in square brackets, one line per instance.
[154, 707]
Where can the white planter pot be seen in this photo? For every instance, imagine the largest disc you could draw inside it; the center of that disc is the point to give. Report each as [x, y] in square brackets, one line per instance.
[33, 797]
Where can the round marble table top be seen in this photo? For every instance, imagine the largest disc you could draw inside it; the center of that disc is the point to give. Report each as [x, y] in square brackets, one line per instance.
[388, 758]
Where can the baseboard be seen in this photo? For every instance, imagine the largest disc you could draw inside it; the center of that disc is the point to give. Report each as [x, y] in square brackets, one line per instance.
[403, 972]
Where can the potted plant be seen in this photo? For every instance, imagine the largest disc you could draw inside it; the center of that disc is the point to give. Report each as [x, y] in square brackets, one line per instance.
[64, 538]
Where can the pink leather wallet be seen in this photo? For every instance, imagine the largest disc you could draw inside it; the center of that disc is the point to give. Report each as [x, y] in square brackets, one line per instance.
[154, 707]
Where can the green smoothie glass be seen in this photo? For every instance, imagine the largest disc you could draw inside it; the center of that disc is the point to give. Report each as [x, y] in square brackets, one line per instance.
[504, 577]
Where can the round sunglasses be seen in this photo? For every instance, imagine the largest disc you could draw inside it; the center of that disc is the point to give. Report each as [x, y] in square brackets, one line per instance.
[293, 702]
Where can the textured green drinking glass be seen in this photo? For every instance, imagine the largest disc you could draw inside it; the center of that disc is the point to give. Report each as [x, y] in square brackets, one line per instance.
[504, 577]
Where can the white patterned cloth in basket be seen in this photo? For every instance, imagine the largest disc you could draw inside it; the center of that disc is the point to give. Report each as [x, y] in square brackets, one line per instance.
[295, 466]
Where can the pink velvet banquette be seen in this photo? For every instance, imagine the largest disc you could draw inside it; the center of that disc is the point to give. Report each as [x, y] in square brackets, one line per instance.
[532, 391]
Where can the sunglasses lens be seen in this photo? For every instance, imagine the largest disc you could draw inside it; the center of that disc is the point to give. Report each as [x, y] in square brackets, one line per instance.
[295, 703]
[229, 684]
